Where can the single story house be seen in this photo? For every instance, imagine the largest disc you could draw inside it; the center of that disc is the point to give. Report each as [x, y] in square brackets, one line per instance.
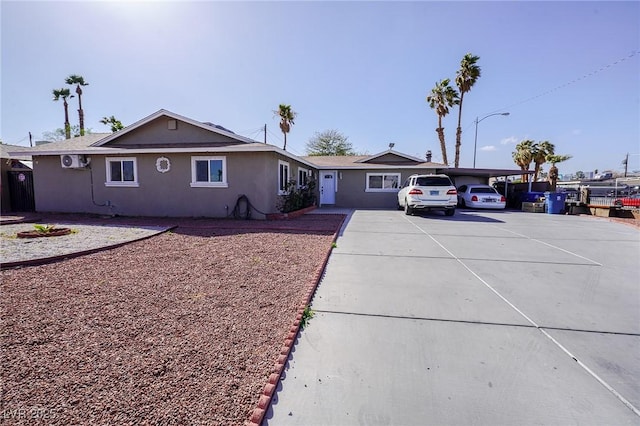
[170, 165]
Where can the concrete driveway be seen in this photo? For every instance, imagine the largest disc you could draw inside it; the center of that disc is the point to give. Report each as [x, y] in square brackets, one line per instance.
[484, 318]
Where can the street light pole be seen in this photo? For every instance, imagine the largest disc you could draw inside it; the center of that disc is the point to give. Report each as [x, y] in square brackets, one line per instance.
[475, 142]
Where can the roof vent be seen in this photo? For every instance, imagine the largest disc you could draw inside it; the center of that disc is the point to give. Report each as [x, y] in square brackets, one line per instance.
[217, 126]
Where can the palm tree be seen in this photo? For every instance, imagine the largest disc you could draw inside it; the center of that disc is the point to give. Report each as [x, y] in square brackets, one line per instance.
[78, 80]
[442, 97]
[553, 170]
[466, 77]
[113, 122]
[539, 152]
[523, 157]
[287, 115]
[64, 94]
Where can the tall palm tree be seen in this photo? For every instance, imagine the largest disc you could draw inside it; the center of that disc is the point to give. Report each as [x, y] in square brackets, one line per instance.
[539, 152]
[287, 117]
[113, 122]
[64, 94]
[466, 77]
[523, 157]
[442, 97]
[78, 80]
[553, 170]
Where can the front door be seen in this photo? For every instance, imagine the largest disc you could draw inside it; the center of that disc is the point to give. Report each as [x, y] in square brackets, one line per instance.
[327, 187]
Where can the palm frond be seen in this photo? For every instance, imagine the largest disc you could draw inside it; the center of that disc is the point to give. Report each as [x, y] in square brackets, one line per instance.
[76, 79]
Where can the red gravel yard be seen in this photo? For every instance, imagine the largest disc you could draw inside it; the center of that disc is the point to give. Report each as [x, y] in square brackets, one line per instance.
[182, 328]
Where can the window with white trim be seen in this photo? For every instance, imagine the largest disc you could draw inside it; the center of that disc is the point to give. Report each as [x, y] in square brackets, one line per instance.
[303, 177]
[283, 176]
[209, 172]
[122, 171]
[382, 182]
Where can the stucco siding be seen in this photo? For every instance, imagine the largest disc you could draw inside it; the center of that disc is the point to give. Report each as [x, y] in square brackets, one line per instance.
[156, 132]
[158, 194]
[352, 191]
[352, 188]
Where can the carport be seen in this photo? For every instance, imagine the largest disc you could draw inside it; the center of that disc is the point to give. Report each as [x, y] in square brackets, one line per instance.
[461, 176]
[483, 318]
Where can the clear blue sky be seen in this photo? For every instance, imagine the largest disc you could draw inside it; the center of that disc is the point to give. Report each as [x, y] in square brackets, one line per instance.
[362, 68]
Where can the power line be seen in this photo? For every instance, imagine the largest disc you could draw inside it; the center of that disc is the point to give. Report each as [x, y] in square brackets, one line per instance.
[603, 68]
[18, 142]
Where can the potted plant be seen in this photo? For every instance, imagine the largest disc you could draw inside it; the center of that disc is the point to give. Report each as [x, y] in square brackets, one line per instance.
[555, 200]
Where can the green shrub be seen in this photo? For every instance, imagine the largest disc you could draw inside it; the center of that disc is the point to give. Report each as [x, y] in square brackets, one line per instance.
[297, 198]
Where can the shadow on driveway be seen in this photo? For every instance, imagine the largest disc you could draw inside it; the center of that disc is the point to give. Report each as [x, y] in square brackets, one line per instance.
[465, 216]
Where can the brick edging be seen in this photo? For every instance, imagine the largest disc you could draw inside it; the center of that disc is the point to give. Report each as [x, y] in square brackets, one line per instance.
[257, 416]
[58, 258]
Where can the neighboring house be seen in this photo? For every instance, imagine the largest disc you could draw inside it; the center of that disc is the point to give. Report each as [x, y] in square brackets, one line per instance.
[16, 181]
[174, 166]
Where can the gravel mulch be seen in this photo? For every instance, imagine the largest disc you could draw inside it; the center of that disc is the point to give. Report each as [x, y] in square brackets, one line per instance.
[180, 329]
[82, 238]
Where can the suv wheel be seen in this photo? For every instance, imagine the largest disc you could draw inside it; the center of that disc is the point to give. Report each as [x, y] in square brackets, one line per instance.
[407, 210]
[450, 212]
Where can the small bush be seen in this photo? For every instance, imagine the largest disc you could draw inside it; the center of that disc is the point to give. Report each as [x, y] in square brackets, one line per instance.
[44, 229]
[297, 198]
[306, 316]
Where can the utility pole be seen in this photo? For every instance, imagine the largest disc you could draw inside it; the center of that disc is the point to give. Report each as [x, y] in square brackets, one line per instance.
[31, 143]
[265, 132]
[626, 164]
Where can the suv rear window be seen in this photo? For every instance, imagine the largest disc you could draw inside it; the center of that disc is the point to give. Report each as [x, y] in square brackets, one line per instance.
[483, 190]
[433, 181]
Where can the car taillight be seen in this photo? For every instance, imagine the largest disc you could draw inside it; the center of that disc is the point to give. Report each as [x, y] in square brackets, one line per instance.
[415, 192]
[452, 192]
[502, 199]
[474, 198]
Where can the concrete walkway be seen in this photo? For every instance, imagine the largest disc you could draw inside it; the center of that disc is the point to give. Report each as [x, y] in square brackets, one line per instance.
[484, 318]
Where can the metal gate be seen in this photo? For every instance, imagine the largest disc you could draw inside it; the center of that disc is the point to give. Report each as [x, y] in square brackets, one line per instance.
[21, 191]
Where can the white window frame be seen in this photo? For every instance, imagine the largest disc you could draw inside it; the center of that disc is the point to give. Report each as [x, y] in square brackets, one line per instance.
[118, 183]
[281, 184]
[383, 189]
[197, 184]
[305, 173]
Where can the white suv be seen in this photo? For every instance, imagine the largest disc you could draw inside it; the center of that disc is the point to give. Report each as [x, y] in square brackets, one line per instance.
[431, 192]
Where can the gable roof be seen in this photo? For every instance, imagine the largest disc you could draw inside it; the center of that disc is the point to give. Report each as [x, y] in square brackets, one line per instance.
[163, 112]
[358, 162]
[389, 152]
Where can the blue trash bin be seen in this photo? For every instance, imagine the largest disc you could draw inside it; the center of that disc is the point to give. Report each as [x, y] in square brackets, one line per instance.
[555, 202]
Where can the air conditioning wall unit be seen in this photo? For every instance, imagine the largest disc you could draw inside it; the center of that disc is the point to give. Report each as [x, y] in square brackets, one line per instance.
[74, 161]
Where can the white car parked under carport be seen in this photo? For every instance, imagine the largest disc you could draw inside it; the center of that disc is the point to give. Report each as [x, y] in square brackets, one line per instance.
[480, 197]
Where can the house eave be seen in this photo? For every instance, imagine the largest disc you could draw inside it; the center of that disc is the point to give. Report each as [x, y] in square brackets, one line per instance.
[374, 166]
[254, 147]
